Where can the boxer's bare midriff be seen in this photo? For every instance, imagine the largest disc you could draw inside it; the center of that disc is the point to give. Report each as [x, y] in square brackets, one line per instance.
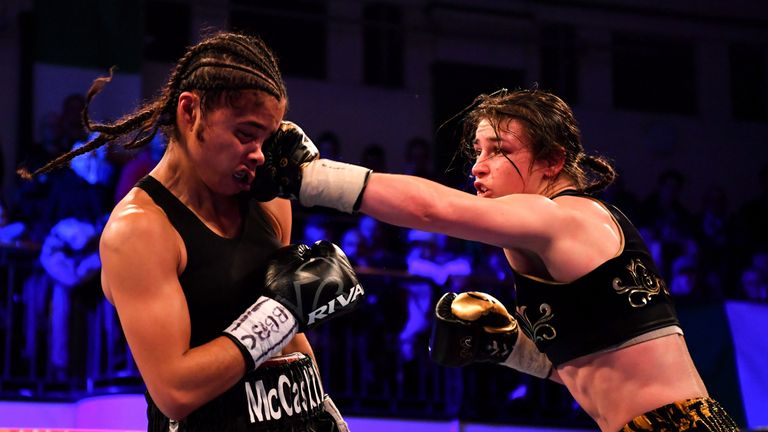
[614, 387]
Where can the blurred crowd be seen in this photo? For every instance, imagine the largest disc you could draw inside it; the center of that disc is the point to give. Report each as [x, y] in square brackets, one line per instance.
[60, 215]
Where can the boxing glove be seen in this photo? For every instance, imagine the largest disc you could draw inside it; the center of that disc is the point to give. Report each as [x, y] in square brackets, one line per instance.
[292, 170]
[285, 152]
[315, 283]
[475, 327]
[304, 287]
[471, 327]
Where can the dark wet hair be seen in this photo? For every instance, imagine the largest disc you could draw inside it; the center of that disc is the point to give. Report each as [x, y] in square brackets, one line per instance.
[218, 69]
[552, 131]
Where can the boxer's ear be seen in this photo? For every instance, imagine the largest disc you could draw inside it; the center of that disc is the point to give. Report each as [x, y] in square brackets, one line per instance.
[188, 111]
[554, 163]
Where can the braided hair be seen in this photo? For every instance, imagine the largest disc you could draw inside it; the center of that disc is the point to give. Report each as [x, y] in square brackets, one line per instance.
[217, 68]
[551, 128]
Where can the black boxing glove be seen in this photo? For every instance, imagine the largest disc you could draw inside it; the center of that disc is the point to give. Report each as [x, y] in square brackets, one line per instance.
[292, 170]
[304, 286]
[475, 327]
[315, 283]
[285, 152]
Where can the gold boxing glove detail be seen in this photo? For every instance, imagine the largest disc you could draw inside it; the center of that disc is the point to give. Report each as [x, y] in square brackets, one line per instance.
[484, 309]
[474, 326]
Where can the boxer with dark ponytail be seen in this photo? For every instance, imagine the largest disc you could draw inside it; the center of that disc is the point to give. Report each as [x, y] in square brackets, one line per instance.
[592, 311]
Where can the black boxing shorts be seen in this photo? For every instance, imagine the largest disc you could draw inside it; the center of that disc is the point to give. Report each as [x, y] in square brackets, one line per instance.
[283, 394]
[691, 415]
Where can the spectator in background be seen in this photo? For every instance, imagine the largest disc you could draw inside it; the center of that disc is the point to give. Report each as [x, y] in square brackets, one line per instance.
[374, 156]
[754, 278]
[316, 227]
[31, 207]
[684, 262]
[663, 208]
[84, 191]
[418, 160]
[712, 219]
[10, 231]
[50, 142]
[753, 286]
[377, 248]
[378, 245]
[713, 231]
[328, 143]
[489, 268]
[427, 257]
[687, 283]
[664, 212]
[655, 245]
[93, 167]
[72, 129]
[139, 165]
[70, 257]
[351, 240]
[30, 203]
[75, 209]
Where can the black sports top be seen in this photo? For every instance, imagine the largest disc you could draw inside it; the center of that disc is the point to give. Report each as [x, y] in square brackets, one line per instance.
[223, 276]
[620, 300]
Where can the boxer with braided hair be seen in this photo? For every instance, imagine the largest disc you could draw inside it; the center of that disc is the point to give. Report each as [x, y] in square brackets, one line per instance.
[211, 295]
[592, 311]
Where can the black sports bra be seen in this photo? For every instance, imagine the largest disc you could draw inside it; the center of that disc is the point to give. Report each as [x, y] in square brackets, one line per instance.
[620, 300]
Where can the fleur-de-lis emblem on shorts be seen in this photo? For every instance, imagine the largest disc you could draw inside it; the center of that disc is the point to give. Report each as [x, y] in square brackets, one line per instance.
[539, 330]
[643, 286]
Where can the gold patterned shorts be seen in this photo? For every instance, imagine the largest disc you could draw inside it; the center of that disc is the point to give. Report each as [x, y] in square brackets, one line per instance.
[692, 415]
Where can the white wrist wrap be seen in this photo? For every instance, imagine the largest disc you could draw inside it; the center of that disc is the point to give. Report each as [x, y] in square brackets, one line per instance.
[526, 358]
[332, 184]
[264, 329]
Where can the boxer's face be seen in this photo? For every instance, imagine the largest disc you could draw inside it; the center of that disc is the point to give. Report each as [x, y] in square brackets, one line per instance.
[504, 163]
[226, 142]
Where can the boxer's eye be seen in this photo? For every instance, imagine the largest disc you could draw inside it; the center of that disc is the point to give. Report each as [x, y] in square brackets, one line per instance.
[244, 137]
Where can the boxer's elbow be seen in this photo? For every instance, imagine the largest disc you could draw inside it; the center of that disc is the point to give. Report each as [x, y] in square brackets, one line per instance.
[176, 404]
